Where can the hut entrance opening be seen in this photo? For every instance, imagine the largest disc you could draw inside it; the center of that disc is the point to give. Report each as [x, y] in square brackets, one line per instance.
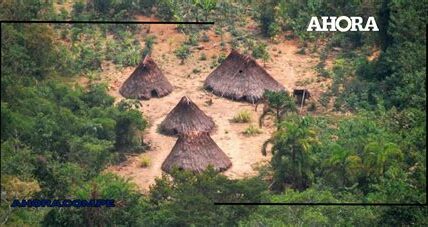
[301, 96]
[154, 93]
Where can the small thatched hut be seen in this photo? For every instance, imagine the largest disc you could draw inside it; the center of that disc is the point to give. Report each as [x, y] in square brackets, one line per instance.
[146, 81]
[195, 152]
[186, 117]
[240, 77]
[301, 95]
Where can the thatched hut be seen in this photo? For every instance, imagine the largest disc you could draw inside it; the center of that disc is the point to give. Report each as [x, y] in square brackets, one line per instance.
[146, 81]
[195, 152]
[301, 95]
[240, 77]
[186, 117]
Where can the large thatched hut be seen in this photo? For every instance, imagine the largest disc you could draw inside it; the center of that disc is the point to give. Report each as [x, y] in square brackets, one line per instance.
[146, 81]
[195, 152]
[186, 117]
[240, 77]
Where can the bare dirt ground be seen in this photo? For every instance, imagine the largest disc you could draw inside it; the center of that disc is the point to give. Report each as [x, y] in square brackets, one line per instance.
[245, 152]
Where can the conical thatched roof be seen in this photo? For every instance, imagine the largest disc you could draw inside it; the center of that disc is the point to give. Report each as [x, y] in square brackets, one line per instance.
[240, 77]
[146, 81]
[186, 117]
[195, 152]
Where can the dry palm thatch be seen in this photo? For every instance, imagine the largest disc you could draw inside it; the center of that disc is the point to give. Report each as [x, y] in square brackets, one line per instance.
[195, 152]
[186, 117]
[146, 81]
[240, 77]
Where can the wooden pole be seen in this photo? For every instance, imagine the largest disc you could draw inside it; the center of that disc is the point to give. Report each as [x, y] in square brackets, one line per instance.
[303, 100]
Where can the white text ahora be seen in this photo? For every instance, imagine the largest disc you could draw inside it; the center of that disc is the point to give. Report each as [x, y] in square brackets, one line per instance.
[342, 24]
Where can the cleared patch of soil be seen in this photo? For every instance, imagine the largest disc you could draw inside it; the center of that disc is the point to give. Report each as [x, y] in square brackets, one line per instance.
[245, 152]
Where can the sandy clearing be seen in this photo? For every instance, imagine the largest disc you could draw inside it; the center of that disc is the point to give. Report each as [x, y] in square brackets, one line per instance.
[245, 152]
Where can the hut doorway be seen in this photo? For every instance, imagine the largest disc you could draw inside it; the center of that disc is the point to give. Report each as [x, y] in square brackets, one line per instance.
[154, 93]
[301, 96]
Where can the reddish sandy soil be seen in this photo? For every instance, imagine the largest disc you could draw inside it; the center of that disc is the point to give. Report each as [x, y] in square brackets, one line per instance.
[245, 152]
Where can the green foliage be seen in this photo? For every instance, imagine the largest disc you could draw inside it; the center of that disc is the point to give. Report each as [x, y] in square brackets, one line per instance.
[273, 30]
[310, 215]
[183, 52]
[260, 51]
[31, 54]
[396, 77]
[197, 193]
[221, 57]
[109, 8]
[278, 104]
[144, 162]
[16, 159]
[70, 130]
[128, 123]
[223, 12]
[148, 48]
[243, 116]
[356, 154]
[267, 18]
[203, 57]
[192, 40]
[292, 154]
[16, 10]
[252, 130]
[129, 53]
[206, 6]
[55, 139]
[405, 59]
[128, 208]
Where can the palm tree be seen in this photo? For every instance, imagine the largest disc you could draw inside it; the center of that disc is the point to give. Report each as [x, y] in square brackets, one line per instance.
[379, 155]
[343, 164]
[292, 161]
[277, 104]
[205, 5]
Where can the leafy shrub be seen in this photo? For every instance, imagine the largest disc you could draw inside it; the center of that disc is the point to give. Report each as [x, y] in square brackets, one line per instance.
[105, 186]
[260, 51]
[183, 52]
[243, 116]
[325, 99]
[197, 192]
[252, 131]
[148, 46]
[144, 161]
[192, 40]
[218, 30]
[221, 57]
[274, 29]
[234, 43]
[321, 70]
[214, 63]
[203, 57]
